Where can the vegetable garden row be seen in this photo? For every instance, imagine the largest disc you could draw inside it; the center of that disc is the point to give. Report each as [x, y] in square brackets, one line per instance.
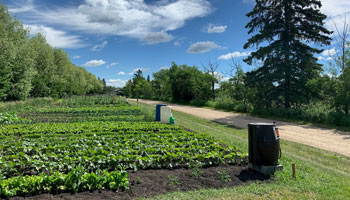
[88, 155]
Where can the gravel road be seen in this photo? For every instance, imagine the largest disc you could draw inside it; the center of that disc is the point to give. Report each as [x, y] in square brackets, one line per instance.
[322, 138]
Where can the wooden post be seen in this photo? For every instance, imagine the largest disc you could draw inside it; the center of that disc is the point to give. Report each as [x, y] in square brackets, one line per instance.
[293, 169]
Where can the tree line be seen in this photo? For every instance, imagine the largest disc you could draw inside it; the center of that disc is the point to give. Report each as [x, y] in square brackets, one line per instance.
[287, 81]
[30, 67]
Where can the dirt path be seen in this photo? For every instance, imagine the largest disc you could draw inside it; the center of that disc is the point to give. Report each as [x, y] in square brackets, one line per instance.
[322, 138]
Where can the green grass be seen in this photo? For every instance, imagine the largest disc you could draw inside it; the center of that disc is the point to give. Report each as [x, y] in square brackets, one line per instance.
[319, 174]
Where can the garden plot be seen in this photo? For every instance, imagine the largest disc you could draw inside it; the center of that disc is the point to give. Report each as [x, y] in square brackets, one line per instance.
[93, 154]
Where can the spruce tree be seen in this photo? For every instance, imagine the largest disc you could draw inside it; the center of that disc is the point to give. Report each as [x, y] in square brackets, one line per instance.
[285, 31]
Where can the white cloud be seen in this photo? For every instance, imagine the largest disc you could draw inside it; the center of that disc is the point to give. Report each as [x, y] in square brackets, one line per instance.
[112, 64]
[116, 82]
[335, 12]
[76, 57]
[99, 47]
[121, 73]
[202, 47]
[216, 29]
[154, 38]
[164, 67]
[149, 22]
[94, 63]
[137, 69]
[235, 54]
[177, 43]
[23, 6]
[329, 52]
[56, 38]
[321, 58]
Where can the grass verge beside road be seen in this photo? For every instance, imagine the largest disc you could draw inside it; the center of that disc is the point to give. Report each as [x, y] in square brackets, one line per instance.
[319, 174]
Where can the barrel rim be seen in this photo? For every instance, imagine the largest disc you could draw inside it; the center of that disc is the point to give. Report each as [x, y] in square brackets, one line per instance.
[261, 124]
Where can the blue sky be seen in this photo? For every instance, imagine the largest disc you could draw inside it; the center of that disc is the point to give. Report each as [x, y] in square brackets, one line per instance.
[114, 38]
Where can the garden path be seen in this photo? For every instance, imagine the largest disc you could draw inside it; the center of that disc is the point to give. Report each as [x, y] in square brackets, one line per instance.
[322, 138]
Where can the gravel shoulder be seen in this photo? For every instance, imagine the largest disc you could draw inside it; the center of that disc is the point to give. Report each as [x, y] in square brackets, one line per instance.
[322, 138]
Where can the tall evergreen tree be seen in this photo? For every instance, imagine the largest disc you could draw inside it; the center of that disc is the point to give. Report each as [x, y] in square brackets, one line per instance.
[288, 27]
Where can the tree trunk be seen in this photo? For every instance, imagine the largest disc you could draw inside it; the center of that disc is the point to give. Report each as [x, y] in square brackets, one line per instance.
[213, 89]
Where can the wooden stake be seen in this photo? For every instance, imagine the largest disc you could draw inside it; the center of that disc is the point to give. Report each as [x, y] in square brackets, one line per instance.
[293, 169]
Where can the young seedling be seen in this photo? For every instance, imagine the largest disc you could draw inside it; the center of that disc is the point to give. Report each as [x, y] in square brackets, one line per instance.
[173, 180]
[224, 177]
[138, 180]
[196, 172]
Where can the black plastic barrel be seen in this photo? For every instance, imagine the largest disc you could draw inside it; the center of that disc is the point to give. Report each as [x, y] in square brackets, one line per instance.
[264, 144]
[158, 106]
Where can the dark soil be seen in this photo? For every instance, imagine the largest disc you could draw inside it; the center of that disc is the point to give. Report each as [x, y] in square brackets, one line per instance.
[148, 183]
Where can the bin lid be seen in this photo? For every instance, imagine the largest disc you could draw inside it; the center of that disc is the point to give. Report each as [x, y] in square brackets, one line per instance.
[261, 124]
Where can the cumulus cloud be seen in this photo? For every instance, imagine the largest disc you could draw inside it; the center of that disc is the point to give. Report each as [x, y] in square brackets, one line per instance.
[116, 82]
[76, 57]
[177, 43]
[112, 64]
[121, 73]
[202, 47]
[164, 67]
[154, 38]
[329, 52]
[216, 29]
[99, 47]
[335, 12]
[137, 69]
[235, 54]
[321, 58]
[94, 63]
[149, 22]
[56, 38]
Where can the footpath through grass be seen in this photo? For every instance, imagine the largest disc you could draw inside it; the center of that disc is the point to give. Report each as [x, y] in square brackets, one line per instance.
[319, 174]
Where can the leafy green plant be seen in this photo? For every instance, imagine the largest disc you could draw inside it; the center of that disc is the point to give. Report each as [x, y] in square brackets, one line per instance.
[173, 180]
[224, 176]
[11, 118]
[196, 172]
[75, 181]
[138, 181]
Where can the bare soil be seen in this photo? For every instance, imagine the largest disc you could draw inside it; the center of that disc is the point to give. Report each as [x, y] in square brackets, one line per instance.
[148, 183]
[322, 138]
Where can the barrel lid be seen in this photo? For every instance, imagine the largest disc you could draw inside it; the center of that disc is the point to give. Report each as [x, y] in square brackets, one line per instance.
[261, 124]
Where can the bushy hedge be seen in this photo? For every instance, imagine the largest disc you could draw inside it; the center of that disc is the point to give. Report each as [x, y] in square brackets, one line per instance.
[310, 113]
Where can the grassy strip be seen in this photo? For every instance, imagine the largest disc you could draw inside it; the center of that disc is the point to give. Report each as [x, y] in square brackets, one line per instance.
[320, 174]
[76, 180]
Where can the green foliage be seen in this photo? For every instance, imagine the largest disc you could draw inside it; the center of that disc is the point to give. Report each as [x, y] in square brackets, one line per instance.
[138, 181]
[76, 180]
[173, 180]
[196, 172]
[179, 83]
[30, 67]
[288, 60]
[11, 118]
[224, 176]
[61, 147]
